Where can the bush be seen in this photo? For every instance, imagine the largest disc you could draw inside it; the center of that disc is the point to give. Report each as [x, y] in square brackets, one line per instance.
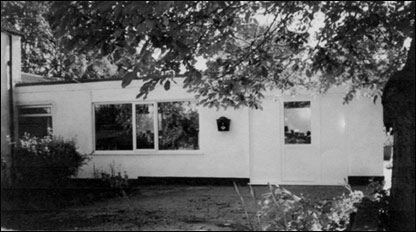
[382, 200]
[45, 162]
[281, 210]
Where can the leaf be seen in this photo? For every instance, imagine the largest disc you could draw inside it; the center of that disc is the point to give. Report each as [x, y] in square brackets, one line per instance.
[247, 17]
[167, 85]
[140, 95]
[308, 73]
[128, 78]
[264, 71]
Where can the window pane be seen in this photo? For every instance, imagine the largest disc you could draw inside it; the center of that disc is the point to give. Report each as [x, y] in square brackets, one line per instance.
[145, 133]
[34, 110]
[113, 127]
[36, 126]
[297, 122]
[178, 126]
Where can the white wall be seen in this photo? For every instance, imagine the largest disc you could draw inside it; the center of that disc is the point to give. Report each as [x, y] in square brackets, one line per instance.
[221, 154]
[347, 139]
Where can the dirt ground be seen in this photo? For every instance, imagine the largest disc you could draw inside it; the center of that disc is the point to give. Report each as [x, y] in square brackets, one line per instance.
[154, 208]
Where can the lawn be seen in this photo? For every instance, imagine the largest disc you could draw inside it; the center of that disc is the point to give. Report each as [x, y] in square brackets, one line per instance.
[161, 207]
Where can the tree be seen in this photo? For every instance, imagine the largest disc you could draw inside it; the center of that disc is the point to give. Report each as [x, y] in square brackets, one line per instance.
[399, 113]
[42, 52]
[359, 43]
[38, 41]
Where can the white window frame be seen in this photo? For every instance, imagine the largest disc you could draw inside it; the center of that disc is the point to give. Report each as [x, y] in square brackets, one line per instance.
[136, 151]
[19, 115]
[155, 127]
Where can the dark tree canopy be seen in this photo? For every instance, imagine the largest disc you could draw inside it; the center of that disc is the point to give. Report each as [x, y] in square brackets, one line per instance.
[42, 51]
[359, 43]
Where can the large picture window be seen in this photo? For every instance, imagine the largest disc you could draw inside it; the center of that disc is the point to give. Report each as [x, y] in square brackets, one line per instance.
[297, 116]
[147, 126]
[35, 120]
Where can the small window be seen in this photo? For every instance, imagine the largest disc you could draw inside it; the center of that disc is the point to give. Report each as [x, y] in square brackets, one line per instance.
[178, 126]
[113, 127]
[35, 120]
[297, 116]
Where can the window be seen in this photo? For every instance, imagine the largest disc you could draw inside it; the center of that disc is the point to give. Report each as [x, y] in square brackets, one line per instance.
[145, 131]
[154, 126]
[113, 130]
[297, 116]
[35, 120]
[178, 126]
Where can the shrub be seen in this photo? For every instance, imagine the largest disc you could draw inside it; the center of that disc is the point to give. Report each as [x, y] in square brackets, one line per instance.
[46, 162]
[382, 200]
[281, 210]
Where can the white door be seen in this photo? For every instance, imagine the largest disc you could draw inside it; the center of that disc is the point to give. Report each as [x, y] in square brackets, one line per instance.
[300, 141]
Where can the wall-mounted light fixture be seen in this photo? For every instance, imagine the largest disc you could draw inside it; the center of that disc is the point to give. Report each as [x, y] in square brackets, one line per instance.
[223, 124]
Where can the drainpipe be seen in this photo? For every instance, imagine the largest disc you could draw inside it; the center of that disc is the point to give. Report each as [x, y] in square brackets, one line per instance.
[11, 108]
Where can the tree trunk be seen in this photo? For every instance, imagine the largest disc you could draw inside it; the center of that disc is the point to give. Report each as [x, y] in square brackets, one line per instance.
[399, 112]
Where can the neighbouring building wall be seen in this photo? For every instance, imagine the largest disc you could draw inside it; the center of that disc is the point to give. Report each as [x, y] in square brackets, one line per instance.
[5, 87]
[346, 139]
[5, 112]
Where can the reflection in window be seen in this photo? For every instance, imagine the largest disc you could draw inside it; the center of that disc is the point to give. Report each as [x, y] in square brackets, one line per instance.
[113, 127]
[37, 121]
[145, 133]
[178, 126]
[297, 116]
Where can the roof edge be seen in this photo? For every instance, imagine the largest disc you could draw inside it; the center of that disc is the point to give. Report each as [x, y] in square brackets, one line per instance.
[78, 81]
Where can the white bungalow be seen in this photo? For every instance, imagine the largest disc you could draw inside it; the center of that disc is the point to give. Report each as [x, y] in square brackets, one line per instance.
[305, 139]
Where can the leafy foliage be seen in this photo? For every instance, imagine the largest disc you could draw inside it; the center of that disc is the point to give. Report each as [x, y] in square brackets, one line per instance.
[46, 162]
[281, 210]
[382, 199]
[38, 43]
[359, 43]
[250, 46]
[42, 52]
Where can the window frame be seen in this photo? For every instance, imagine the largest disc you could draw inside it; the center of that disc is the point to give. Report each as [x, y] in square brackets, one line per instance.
[136, 151]
[36, 115]
[156, 132]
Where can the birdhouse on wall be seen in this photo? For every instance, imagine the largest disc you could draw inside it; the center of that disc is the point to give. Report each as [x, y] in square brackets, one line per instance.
[223, 124]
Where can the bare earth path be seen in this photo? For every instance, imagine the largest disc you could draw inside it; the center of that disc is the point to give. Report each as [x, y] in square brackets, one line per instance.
[166, 208]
